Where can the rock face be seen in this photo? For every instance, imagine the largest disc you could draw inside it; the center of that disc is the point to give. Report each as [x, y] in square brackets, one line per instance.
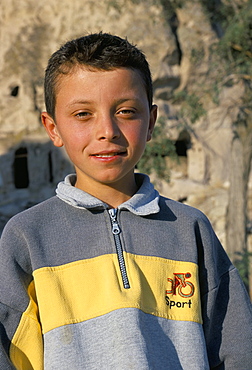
[177, 43]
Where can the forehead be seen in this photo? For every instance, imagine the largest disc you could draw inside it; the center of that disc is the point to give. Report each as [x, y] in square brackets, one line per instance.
[82, 78]
[69, 70]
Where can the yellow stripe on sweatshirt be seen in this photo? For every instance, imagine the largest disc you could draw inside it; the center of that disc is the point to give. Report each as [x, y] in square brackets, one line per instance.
[26, 349]
[85, 289]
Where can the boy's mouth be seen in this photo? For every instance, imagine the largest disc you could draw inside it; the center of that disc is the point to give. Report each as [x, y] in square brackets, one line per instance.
[108, 155]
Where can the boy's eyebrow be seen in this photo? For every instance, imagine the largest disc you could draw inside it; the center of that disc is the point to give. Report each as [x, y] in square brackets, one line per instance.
[74, 102]
[88, 102]
[123, 100]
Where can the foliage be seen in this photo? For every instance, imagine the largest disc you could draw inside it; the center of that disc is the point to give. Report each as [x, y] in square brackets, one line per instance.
[197, 55]
[160, 146]
[242, 263]
[191, 107]
[231, 55]
[236, 44]
[233, 20]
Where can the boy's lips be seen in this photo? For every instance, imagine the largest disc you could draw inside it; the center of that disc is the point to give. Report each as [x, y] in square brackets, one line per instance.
[109, 154]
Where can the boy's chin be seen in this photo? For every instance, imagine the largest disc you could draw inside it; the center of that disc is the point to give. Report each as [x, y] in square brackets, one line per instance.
[124, 183]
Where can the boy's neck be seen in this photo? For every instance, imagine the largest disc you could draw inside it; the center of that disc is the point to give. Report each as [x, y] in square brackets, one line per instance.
[112, 195]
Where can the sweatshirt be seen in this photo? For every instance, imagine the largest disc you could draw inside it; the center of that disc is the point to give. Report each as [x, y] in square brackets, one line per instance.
[144, 286]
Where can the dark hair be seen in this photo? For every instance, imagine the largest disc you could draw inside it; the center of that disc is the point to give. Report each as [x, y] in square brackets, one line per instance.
[96, 51]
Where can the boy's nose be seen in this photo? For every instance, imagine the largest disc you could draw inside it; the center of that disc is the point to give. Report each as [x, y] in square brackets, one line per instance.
[107, 128]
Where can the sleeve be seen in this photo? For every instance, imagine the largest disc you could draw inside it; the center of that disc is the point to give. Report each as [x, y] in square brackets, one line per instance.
[226, 307]
[21, 345]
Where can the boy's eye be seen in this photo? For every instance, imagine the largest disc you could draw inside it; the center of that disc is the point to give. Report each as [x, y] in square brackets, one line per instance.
[126, 112]
[82, 114]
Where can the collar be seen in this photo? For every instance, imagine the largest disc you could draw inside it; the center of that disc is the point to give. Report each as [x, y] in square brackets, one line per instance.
[144, 202]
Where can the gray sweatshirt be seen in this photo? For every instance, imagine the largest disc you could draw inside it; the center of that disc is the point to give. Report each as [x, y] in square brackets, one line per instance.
[145, 286]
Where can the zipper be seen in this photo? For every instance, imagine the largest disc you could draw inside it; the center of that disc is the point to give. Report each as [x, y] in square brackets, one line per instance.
[119, 250]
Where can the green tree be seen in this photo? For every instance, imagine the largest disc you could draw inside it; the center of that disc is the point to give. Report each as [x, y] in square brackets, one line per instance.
[156, 151]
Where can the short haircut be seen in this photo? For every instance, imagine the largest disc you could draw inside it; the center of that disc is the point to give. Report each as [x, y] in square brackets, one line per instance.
[101, 51]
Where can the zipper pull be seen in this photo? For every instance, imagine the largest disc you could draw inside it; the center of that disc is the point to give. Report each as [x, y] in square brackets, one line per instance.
[115, 227]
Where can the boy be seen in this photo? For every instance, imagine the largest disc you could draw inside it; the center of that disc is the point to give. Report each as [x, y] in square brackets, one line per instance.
[108, 274]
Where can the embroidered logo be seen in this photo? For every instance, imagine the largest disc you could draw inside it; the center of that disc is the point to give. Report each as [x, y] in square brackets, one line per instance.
[181, 285]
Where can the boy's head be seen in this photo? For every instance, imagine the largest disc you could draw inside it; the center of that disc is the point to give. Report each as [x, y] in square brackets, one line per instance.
[98, 93]
[99, 51]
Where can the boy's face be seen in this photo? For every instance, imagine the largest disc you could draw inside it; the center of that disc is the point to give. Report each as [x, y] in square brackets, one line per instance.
[104, 121]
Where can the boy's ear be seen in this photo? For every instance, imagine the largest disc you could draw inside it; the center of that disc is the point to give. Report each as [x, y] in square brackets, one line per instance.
[51, 129]
[152, 121]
